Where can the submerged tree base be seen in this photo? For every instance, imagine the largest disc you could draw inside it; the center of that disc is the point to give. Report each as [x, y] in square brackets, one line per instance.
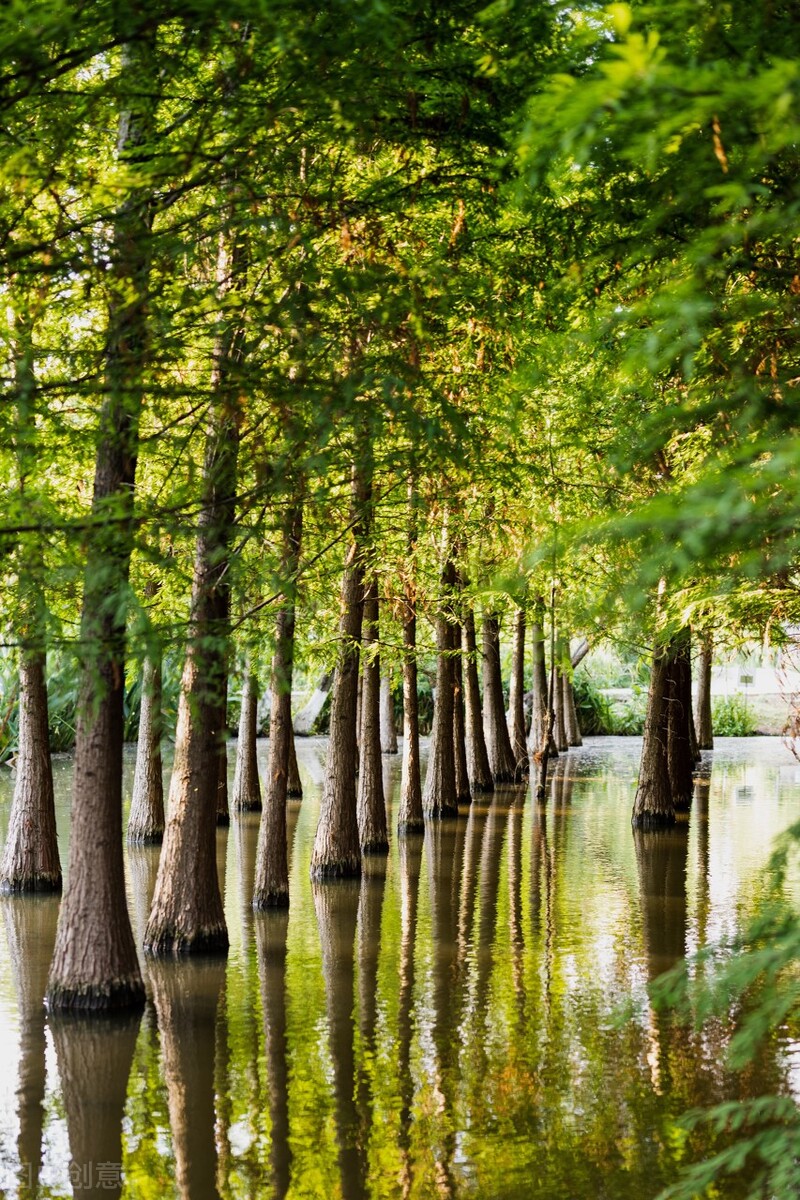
[152, 837]
[113, 996]
[653, 820]
[410, 828]
[263, 901]
[179, 944]
[349, 868]
[18, 885]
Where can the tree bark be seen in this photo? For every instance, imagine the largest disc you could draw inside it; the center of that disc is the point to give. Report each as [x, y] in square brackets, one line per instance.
[463, 792]
[187, 915]
[30, 861]
[540, 713]
[272, 864]
[94, 963]
[498, 743]
[440, 798]
[371, 802]
[680, 758]
[388, 731]
[223, 807]
[294, 786]
[478, 767]
[410, 817]
[653, 807]
[559, 723]
[516, 698]
[336, 846]
[571, 724]
[246, 785]
[705, 731]
[146, 818]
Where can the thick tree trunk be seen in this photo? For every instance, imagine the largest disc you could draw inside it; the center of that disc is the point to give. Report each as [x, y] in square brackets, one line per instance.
[187, 914]
[463, 791]
[705, 731]
[246, 785]
[516, 698]
[571, 724]
[146, 818]
[337, 851]
[498, 743]
[478, 766]
[30, 860]
[440, 798]
[410, 816]
[653, 807]
[680, 758]
[388, 731]
[272, 863]
[94, 964]
[371, 802]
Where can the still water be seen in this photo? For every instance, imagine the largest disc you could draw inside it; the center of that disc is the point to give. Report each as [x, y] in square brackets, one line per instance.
[449, 1026]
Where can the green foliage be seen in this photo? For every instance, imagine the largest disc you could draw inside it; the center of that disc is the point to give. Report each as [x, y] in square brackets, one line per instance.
[592, 707]
[755, 976]
[730, 717]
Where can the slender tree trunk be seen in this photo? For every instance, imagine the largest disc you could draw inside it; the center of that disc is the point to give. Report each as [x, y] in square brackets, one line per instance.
[498, 743]
[371, 802]
[653, 806]
[272, 863]
[94, 963]
[388, 731]
[31, 861]
[440, 798]
[146, 818]
[246, 785]
[294, 786]
[223, 807]
[571, 723]
[336, 846]
[516, 698]
[680, 758]
[540, 713]
[478, 767]
[705, 732]
[187, 914]
[410, 816]
[463, 792]
[559, 723]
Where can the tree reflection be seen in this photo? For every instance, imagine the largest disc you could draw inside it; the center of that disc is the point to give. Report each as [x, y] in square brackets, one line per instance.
[187, 996]
[336, 906]
[410, 850]
[30, 923]
[271, 928]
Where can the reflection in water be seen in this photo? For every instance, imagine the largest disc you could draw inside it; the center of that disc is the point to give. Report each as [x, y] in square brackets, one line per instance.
[485, 1058]
[186, 996]
[94, 1063]
[336, 905]
[30, 923]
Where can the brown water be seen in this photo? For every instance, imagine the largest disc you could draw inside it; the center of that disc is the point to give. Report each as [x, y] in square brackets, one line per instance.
[448, 1027]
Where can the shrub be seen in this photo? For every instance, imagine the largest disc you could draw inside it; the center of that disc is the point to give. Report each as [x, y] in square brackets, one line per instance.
[731, 717]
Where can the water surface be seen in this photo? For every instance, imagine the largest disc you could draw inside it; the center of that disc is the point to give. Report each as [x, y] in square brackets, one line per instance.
[449, 1026]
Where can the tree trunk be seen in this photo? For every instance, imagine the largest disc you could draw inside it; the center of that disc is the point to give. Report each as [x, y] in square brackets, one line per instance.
[463, 792]
[246, 785]
[705, 731]
[440, 798]
[336, 846]
[571, 723]
[653, 807]
[498, 743]
[94, 963]
[371, 803]
[305, 720]
[410, 816]
[146, 818]
[680, 758]
[559, 723]
[540, 714]
[388, 731]
[480, 771]
[516, 698]
[294, 786]
[187, 914]
[30, 860]
[223, 807]
[272, 863]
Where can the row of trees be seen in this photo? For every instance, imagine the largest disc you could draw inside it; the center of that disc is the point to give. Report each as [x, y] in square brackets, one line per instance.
[305, 289]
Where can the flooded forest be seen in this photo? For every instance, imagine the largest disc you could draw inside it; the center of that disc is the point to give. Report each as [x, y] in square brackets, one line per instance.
[399, 672]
